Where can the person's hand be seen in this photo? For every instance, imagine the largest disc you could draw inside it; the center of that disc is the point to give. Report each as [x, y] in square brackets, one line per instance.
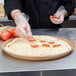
[60, 14]
[23, 28]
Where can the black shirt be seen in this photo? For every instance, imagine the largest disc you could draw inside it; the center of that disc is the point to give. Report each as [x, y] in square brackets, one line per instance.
[38, 10]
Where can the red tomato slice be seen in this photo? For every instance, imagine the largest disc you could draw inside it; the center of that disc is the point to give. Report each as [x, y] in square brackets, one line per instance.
[57, 45]
[54, 17]
[14, 32]
[9, 46]
[45, 45]
[32, 39]
[42, 41]
[5, 35]
[51, 42]
[34, 46]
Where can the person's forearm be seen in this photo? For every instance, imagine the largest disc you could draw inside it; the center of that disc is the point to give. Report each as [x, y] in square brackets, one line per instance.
[14, 13]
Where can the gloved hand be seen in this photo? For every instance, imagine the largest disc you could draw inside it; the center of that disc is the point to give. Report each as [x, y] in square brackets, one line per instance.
[23, 28]
[60, 14]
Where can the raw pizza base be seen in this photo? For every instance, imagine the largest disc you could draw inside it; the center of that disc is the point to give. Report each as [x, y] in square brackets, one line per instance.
[48, 57]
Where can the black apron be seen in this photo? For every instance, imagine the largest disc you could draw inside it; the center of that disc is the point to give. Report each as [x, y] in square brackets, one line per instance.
[39, 11]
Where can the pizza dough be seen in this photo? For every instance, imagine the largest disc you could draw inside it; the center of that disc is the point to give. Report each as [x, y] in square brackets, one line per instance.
[21, 48]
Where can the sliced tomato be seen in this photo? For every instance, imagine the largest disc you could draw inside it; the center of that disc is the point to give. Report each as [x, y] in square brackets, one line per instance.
[42, 41]
[54, 17]
[32, 39]
[14, 32]
[51, 42]
[9, 46]
[5, 35]
[57, 45]
[45, 45]
[34, 46]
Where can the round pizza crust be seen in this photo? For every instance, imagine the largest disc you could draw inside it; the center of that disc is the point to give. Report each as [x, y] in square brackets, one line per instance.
[39, 58]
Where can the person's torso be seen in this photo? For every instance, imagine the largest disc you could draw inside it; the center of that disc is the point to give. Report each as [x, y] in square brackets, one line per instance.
[39, 11]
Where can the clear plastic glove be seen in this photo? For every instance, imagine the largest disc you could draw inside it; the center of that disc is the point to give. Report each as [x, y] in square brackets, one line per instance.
[23, 28]
[60, 14]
